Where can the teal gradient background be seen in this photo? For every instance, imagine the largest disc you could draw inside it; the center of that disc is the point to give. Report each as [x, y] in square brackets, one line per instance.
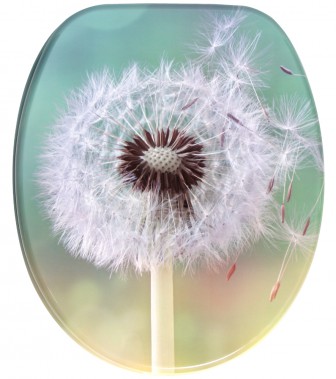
[109, 314]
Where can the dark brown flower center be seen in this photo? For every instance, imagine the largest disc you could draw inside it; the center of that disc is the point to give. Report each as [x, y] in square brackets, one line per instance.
[169, 163]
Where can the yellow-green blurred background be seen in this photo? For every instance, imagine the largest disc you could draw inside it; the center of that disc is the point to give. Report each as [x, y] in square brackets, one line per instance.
[110, 314]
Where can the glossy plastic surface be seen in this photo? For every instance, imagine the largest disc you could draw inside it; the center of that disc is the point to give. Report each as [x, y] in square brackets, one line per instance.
[218, 313]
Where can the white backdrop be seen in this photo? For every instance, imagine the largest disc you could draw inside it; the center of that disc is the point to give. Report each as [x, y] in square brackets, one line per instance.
[32, 345]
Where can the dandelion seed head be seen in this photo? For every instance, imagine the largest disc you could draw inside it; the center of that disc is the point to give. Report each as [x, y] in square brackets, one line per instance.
[174, 162]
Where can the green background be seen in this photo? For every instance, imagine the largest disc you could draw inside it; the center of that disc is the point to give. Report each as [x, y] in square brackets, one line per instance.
[110, 314]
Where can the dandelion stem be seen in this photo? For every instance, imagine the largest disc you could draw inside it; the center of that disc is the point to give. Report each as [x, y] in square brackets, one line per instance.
[162, 318]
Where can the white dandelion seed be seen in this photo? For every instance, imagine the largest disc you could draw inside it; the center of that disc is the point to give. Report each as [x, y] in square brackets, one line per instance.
[181, 164]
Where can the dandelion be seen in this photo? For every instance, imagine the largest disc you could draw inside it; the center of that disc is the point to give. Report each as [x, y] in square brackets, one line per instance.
[135, 162]
[178, 165]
